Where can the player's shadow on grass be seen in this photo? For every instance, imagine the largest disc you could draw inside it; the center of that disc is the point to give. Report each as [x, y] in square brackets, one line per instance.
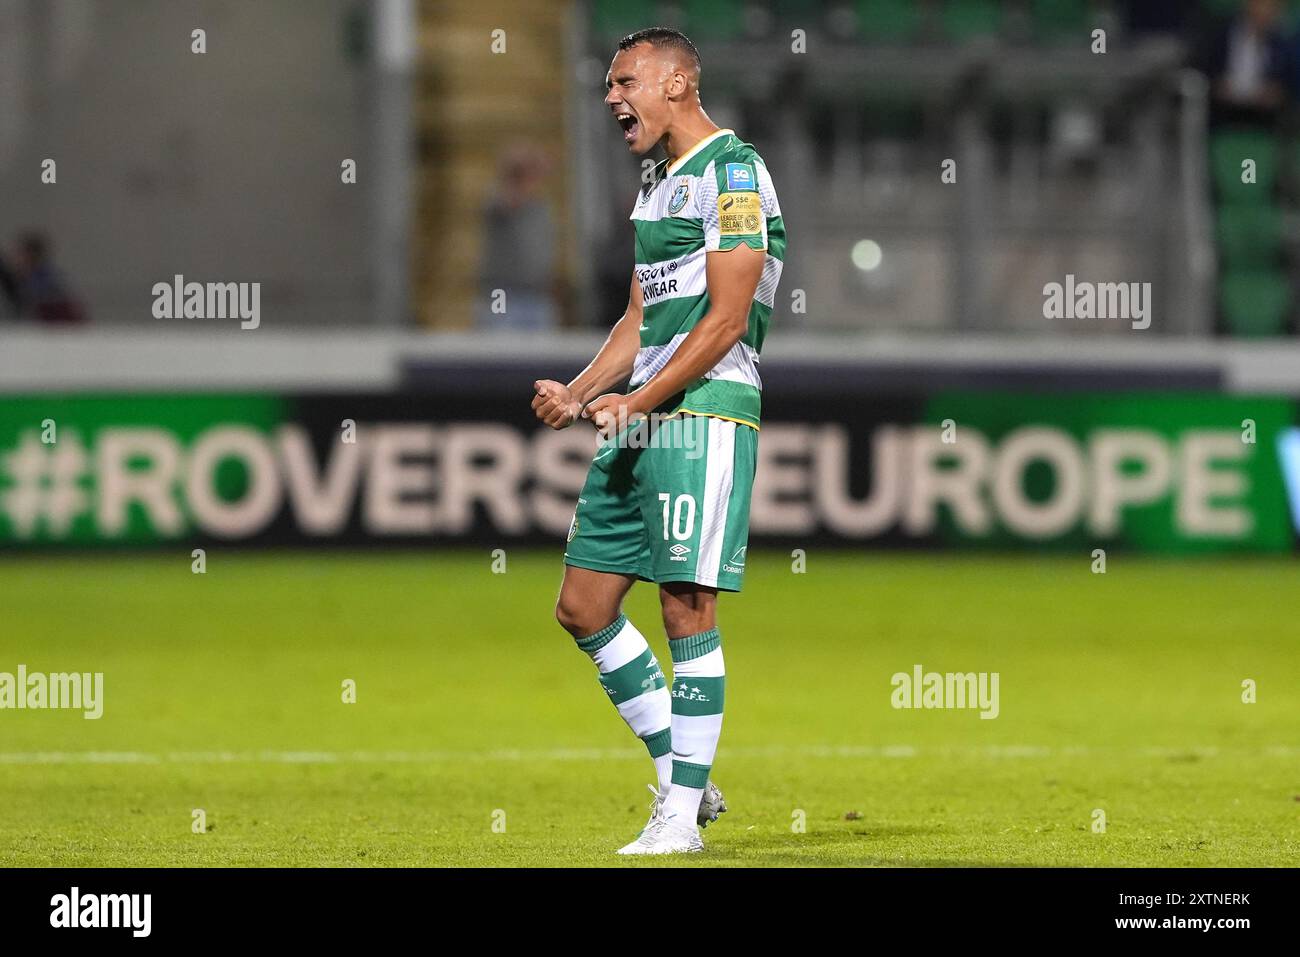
[851, 844]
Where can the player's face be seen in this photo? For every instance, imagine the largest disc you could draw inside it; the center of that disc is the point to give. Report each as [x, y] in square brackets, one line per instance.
[637, 97]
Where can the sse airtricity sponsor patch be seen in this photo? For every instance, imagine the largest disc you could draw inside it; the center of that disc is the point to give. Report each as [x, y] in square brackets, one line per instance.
[738, 214]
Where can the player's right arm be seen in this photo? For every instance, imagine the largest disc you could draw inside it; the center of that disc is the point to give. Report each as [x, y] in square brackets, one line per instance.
[559, 405]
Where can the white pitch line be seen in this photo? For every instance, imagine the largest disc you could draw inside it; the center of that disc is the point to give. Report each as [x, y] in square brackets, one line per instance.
[614, 754]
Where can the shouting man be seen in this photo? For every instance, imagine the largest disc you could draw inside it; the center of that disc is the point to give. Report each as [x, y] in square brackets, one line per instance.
[667, 497]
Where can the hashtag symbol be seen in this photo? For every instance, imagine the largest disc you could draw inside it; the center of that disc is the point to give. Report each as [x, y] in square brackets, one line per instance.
[44, 483]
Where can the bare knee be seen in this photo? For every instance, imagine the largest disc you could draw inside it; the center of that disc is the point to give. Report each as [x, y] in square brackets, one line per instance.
[688, 609]
[589, 601]
[574, 616]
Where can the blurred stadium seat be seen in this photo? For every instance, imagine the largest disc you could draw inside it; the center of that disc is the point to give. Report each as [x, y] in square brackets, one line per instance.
[1062, 21]
[1250, 234]
[965, 20]
[889, 21]
[1255, 303]
[711, 21]
[1229, 150]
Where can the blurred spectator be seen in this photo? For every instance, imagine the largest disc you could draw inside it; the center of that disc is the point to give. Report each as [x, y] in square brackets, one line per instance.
[35, 287]
[1248, 63]
[519, 246]
[9, 289]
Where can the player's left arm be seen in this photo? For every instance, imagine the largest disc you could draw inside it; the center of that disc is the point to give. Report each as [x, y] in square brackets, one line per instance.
[732, 276]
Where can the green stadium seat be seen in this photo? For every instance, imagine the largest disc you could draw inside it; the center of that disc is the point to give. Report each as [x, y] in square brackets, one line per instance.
[1061, 21]
[611, 20]
[799, 13]
[1255, 303]
[889, 21]
[965, 20]
[1249, 235]
[708, 20]
[900, 116]
[1228, 150]
[1221, 8]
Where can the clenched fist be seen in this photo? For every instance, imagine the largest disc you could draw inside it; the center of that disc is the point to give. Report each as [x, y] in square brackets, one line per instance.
[555, 404]
[612, 412]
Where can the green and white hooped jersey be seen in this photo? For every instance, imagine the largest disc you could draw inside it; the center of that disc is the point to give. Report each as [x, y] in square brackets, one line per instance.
[714, 197]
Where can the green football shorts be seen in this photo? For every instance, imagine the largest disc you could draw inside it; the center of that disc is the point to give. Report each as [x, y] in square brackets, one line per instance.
[669, 505]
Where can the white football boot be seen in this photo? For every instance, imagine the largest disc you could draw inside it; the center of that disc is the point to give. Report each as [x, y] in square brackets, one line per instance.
[662, 836]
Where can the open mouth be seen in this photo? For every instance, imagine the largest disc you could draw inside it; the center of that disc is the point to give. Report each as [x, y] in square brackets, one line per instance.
[631, 126]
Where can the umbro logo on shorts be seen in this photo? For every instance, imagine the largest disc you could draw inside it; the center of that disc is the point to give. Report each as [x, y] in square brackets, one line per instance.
[679, 552]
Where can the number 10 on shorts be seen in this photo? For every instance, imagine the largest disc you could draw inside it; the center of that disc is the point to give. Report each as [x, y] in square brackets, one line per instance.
[683, 518]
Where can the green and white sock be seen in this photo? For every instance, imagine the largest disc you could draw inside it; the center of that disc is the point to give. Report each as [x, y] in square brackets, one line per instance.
[631, 676]
[699, 682]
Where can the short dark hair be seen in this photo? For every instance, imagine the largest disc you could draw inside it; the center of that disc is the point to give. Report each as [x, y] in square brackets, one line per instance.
[663, 37]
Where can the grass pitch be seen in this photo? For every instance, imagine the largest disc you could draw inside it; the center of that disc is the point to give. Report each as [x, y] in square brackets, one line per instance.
[223, 692]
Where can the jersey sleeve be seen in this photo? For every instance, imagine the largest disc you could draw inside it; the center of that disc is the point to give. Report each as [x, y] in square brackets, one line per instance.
[731, 205]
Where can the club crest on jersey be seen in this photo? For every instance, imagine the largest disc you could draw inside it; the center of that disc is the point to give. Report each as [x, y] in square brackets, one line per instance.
[680, 195]
[740, 176]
